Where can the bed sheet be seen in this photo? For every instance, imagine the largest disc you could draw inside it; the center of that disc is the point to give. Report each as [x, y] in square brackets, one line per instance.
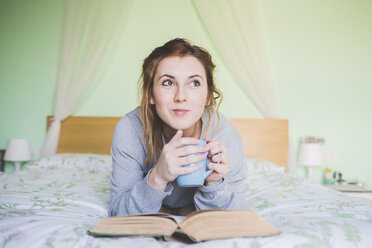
[54, 203]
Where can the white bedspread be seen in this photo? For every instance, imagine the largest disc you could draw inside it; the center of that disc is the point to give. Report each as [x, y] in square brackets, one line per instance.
[55, 202]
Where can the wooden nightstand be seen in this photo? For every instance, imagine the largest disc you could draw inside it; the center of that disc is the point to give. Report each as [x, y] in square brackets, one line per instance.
[2, 162]
[352, 190]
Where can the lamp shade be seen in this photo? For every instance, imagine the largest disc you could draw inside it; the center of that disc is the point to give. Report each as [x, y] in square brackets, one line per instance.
[18, 150]
[311, 154]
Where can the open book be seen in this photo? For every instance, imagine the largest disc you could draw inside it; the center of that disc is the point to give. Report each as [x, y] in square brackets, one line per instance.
[198, 226]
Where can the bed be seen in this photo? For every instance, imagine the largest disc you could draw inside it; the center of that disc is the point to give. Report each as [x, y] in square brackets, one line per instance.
[57, 199]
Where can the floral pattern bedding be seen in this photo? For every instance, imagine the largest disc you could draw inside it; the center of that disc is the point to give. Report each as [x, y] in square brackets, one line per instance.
[56, 200]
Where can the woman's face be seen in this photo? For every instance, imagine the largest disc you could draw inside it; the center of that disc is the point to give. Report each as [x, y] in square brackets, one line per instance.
[180, 91]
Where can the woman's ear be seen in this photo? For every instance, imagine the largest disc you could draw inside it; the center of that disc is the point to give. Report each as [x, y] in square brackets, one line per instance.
[152, 100]
[208, 101]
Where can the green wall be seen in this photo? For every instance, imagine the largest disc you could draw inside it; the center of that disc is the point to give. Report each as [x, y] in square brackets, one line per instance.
[319, 52]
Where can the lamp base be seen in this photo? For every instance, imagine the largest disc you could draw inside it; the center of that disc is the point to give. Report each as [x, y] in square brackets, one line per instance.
[17, 166]
[310, 172]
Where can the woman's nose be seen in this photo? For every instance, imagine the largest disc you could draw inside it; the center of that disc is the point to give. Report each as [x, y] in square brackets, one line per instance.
[180, 95]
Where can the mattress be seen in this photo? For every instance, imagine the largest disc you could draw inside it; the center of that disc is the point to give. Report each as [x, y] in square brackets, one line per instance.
[57, 199]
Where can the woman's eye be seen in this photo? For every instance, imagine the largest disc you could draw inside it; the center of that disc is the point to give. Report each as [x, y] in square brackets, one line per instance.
[166, 83]
[195, 83]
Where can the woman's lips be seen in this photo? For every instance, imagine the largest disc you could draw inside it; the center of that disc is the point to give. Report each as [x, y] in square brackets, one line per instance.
[180, 112]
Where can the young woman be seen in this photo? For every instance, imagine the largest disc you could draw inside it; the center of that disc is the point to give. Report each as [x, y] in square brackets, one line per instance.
[178, 108]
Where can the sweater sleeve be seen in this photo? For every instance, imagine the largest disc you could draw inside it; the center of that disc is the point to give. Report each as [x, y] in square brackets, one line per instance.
[130, 191]
[228, 193]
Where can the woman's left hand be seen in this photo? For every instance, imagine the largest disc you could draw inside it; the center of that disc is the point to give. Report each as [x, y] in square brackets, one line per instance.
[218, 161]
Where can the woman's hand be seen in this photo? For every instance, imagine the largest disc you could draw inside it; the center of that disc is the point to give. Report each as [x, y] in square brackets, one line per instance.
[219, 161]
[172, 159]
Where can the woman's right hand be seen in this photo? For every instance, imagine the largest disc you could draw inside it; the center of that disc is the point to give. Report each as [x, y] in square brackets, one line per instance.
[172, 159]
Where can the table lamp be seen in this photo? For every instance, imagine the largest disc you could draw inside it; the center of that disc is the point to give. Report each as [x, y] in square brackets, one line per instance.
[311, 155]
[17, 151]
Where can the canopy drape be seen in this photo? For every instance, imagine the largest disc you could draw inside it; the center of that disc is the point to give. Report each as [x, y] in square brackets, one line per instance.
[91, 31]
[233, 27]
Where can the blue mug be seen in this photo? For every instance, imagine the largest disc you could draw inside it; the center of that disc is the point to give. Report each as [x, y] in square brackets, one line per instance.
[198, 177]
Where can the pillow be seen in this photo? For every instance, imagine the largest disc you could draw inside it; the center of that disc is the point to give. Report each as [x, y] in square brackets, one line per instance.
[259, 165]
[75, 160]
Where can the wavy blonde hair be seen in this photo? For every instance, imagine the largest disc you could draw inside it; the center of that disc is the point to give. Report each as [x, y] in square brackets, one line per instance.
[151, 123]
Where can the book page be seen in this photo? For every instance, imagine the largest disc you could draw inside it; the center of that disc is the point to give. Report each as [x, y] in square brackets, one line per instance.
[217, 224]
[134, 225]
[176, 218]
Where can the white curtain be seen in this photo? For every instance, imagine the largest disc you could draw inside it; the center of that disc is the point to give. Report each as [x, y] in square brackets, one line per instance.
[91, 31]
[234, 29]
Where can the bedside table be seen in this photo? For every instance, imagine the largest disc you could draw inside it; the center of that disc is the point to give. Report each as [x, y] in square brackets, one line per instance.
[352, 190]
[2, 162]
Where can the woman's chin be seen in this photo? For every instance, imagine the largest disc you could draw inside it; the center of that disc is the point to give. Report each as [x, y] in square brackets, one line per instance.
[178, 126]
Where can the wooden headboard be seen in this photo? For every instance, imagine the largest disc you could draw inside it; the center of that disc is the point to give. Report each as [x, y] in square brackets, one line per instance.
[262, 138]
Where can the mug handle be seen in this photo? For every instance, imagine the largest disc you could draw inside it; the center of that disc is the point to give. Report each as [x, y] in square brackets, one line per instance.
[208, 172]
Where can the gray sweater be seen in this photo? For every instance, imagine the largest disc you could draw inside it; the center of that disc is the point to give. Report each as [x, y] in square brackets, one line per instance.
[132, 194]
